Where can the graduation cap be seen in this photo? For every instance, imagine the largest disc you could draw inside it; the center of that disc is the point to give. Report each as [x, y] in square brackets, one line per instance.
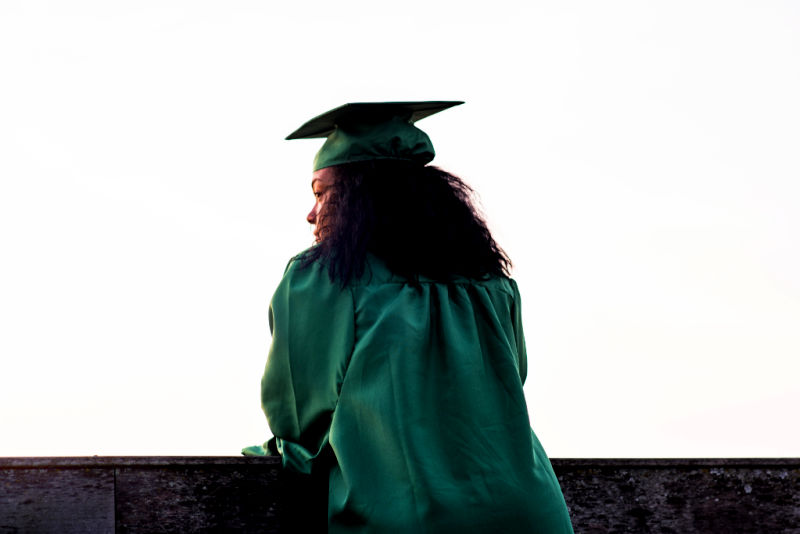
[365, 131]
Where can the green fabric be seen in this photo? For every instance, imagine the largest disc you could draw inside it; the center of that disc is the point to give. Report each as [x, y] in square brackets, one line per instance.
[395, 138]
[412, 398]
[365, 131]
[255, 450]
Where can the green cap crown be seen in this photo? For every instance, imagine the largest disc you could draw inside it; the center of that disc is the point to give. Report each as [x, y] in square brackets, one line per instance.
[367, 131]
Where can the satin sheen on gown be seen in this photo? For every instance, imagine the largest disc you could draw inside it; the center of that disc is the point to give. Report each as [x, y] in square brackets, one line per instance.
[411, 397]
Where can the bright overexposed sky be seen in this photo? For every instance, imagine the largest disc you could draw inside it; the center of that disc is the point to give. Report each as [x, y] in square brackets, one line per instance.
[638, 160]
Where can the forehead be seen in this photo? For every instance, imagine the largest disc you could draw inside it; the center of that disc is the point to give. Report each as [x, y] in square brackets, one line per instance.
[323, 177]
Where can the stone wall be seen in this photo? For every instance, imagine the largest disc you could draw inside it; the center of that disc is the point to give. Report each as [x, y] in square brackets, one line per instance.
[719, 496]
[237, 494]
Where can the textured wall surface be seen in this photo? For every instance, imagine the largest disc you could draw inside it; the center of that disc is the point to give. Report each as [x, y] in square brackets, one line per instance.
[678, 496]
[237, 494]
[138, 495]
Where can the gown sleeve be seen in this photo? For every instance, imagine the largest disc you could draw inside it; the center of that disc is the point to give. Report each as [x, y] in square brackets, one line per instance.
[516, 317]
[312, 325]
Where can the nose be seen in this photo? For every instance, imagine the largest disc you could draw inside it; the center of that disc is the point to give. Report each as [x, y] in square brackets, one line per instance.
[312, 215]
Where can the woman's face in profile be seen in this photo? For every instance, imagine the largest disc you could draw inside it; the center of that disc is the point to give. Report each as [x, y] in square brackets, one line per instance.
[321, 183]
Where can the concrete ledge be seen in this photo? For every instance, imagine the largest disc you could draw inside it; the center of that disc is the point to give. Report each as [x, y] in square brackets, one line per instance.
[138, 494]
[237, 494]
[670, 496]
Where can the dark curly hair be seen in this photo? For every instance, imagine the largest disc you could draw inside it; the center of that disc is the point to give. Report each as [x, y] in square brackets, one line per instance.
[420, 220]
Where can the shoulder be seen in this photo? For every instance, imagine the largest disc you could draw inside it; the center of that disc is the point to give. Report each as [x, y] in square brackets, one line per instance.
[501, 284]
[302, 272]
[306, 288]
[513, 285]
[501, 290]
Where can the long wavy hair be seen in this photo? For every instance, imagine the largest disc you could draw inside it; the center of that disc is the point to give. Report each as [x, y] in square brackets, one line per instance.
[420, 220]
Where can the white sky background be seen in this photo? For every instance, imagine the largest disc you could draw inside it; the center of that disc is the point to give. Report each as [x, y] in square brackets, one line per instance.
[637, 160]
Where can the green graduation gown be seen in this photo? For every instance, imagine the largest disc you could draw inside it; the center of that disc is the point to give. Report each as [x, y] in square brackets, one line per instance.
[412, 396]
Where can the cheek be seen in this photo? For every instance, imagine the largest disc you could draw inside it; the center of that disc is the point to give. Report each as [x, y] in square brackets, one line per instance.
[316, 212]
[318, 207]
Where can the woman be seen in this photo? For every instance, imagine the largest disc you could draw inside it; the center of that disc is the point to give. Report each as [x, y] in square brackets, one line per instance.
[398, 358]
